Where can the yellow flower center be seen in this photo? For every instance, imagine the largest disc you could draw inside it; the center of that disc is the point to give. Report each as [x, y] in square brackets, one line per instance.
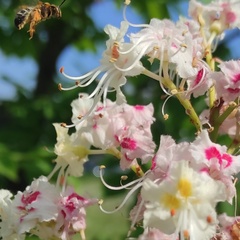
[185, 187]
[170, 201]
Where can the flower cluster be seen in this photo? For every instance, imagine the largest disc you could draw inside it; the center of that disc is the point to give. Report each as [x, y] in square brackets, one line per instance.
[43, 210]
[182, 183]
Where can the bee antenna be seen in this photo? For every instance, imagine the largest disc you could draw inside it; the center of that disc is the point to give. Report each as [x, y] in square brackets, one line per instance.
[62, 3]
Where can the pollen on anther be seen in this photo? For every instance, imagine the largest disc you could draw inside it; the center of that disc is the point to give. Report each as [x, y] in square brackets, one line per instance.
[186, 234]
[173, 212]
[124, 177]
[61, 70]
[60, 87]
[127, 2]
[209, 219]
[80, 116]
[102, 167]
[183, 45]
[115, 52]
[165, 116]
[63, 124]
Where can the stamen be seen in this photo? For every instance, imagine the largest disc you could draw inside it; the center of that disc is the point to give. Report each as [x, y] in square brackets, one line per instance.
[136, 44]
[80, 77]
[163, 106]
[55, 169]
[161, 69]
[67, 126]
[69, 88]
[172, 212]
[136, 181]
[115, 52]
[63, 125]
[60, 175]
[82, 234]
[235, 200]
[124, 200]
[165, 116]
[209, 219]
[126, 3]
[101, 83]
[135, 217]
[186, 235]
[124, 178]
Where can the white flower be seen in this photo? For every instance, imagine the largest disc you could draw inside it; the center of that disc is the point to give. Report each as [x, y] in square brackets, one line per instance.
[72, 151]
[183, 203]
[36, 204]
[227, 81]
[9, 218]
[166, 41]
[119, 60]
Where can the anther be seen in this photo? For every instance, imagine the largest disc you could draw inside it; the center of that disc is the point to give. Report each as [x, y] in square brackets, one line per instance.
[124, 177]
[63, 125]
[115, 52]
[209, 219]
[165, 116]
[127, 2]
[102, 167]
[60, 87]
[173, 212]
[210, 129]
[232, 104]
[80, 116]
[183, 45]
[61, 70]
[186, 235]
[100, 202]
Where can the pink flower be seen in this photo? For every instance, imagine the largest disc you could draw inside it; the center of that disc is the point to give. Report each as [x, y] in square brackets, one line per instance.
[213, 159]
[225, 14]
[229, 226]
[36, 204]
[168, 154]
[72, 215]
[134, 144]
[166, 41]
[227, 81]
[122, 126]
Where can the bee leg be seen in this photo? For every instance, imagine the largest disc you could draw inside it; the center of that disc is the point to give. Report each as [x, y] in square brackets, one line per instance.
[31, 30]
[35, 19]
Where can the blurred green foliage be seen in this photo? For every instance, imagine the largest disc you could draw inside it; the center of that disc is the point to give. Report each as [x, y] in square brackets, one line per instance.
[27, 136]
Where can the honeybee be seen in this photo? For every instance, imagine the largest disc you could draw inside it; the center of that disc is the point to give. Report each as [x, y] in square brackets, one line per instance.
[35, 14]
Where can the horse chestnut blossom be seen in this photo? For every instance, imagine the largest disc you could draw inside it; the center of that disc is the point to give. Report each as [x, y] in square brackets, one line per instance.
[44, 211]
[182, 203]
[179, 183]
[218, 15]
[227, 81]
[111, 126]
[115, 67]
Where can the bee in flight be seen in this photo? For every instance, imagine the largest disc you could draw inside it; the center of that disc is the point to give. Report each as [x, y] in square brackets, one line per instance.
[35, 14]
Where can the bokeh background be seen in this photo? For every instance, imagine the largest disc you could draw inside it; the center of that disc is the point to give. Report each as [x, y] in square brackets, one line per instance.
[30, 100]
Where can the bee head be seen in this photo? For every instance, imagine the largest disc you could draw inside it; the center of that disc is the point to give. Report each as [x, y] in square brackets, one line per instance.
[56, 11]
